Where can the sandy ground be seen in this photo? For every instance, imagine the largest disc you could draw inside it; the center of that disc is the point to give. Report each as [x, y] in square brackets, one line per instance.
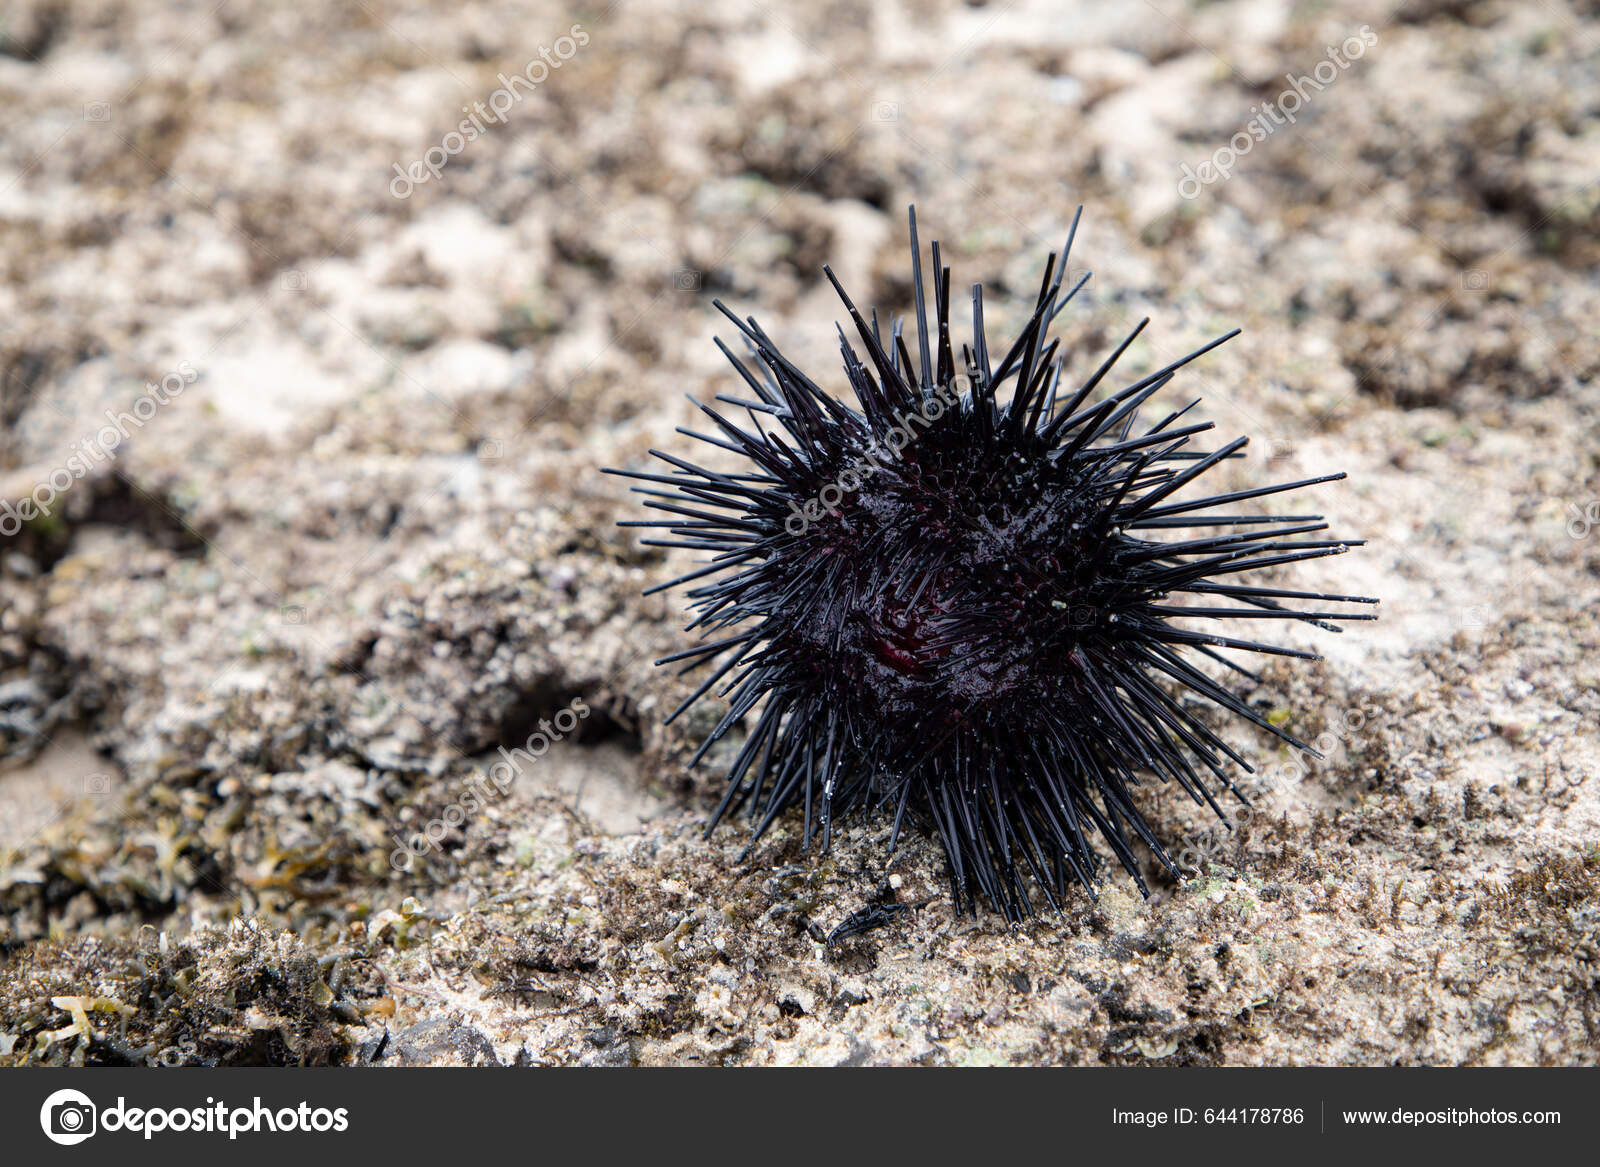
[354, 540]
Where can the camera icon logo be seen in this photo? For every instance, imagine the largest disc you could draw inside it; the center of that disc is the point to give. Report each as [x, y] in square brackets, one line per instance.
[885, 111]
[68, 1117]
[293, 281]
[491, 450]
[1475, 280]
[686, 279]
[97, 111]
[97, 783]
[292, 614]
[1584, 519]
[1279, 449]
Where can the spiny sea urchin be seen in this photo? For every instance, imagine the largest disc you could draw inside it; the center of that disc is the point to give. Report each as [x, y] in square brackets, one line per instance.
[951, 604]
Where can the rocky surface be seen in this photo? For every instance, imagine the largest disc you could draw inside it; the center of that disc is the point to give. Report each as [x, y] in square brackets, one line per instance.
[353, 541]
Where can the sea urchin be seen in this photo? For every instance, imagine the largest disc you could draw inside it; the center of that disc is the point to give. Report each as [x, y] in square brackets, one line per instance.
[977, 610]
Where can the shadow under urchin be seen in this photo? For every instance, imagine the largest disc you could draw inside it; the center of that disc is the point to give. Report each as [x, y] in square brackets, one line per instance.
[977, 611]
